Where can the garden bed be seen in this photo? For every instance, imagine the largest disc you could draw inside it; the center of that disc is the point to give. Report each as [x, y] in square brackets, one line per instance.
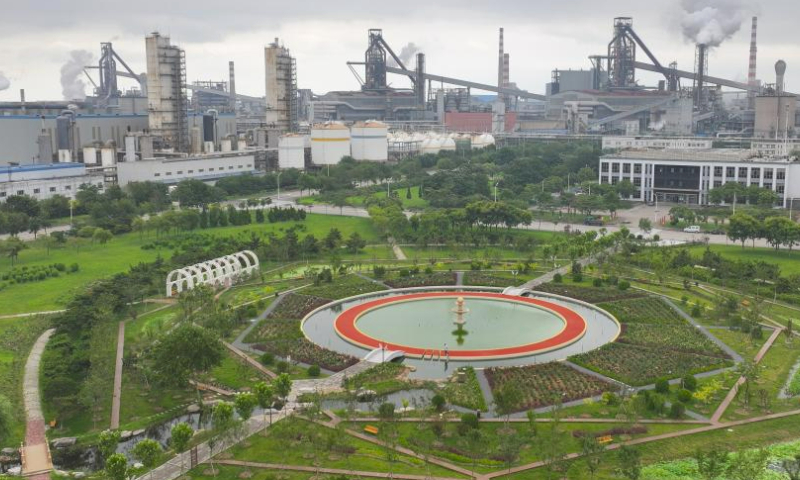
[295, 305]
[540, 384]
[638, 365]
[465, 394]
[649, 310]
[588, 294]
[678, 338]
[343, 287]
[282, 337]
[422, 280]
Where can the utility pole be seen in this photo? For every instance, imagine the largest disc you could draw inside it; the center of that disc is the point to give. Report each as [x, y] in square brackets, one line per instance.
[279, 184]
[495, 191]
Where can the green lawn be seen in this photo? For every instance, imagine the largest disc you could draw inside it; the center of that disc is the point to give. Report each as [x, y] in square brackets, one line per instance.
[741, 343]
[358, 200]
[789, 261]
[123, 251]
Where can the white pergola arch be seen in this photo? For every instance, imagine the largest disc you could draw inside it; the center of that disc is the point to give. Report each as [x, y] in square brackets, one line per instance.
[218, 271]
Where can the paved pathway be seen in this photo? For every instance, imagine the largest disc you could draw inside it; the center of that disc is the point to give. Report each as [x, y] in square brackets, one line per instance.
[715, 419]
[249, 360]
[370, 279]
[398, 252]
[117, 394]
[486, 389]
[32, 314]
[36, 452]
[459, 278]
[212, 388]
[239, 342]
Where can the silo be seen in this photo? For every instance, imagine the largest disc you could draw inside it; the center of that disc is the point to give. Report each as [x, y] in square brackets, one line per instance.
[90, 155]
[291, 152]
[369, 141]
[329, 143]
[108, 154]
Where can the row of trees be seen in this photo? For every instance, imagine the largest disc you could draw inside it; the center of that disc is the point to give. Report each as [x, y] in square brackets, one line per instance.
[777, 231]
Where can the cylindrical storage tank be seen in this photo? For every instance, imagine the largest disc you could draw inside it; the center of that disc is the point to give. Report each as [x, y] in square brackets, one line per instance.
[225, 145]
[208, 147]
[108, 156]
[197, 140]
[208, 127]
[369, 141]
[241, 145]
[329, 143]
[448, 145]
[90, 155]
[488, 139]
[432, 146]
[291, 152]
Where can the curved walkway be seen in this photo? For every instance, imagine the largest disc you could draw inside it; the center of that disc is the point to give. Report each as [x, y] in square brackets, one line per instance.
[117, 394]
[36, 462]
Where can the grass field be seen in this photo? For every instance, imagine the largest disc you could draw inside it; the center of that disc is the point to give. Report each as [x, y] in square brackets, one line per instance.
[123, 251]
[358, 200]
[789, 261]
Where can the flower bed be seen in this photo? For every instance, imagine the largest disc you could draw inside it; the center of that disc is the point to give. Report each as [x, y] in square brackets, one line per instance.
[588, 294]
[422, 280]
[343, 287]
[539, 383]
[682, 338]
[282, 337]
[295, 305]
[638, 365]
[467, 394]
[649, 310]
[491, 280]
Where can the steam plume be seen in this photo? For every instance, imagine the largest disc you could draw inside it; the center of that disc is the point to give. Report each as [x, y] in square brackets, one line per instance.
[4, 82]
[406, 55]
[72, 86]
[711, 22]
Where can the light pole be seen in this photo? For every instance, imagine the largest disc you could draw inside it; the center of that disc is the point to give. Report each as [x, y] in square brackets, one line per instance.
[495, 191]
[279, 185]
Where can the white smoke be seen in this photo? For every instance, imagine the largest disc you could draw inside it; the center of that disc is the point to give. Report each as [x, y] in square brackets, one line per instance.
[405, 55]
[4, 82]
[711, 22]
[72, 84]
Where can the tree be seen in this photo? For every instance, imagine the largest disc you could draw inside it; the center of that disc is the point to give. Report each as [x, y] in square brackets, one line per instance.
[102, 236]
[117, 467]
[282, 386]
[586, 174]
[107, 443]
[333, 239]
[645, 225]
[194, 193]
[184, 350]
[592, 450]
[630, 462]
[264, 396]
[625, 188]
[742, 227]
[147, 451]
[6, 419]
[355, 243]
[181, 435]
[748, 464]
[506, 399]
[781, 231]
[711, 463]
[11, 248]
[245, 403]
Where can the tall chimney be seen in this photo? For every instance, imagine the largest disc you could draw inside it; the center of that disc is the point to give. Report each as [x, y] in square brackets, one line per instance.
[506, 70]
[751, 71]
[500, 61]
[232, 86]
[700, 74]
[22, 99]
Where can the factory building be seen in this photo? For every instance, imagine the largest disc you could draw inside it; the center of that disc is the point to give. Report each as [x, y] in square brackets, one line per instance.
[166, 92]
[775, 148]
[668, 143]
[686, 176]
[44, 181]
[173, 170]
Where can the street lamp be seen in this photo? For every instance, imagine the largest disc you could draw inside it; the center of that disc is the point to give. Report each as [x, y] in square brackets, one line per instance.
[279, 185]
[495, 191]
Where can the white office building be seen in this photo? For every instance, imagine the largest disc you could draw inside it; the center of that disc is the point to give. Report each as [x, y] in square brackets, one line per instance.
[611, 142]
[686, 176]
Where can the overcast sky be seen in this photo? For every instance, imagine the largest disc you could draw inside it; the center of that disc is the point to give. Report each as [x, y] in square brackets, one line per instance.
[458, 37]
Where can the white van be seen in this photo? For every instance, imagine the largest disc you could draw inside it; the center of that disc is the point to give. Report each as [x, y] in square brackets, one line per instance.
[692, 229]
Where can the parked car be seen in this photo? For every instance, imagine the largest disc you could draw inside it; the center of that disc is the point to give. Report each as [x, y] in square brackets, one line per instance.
[593, 221]
[692, 229]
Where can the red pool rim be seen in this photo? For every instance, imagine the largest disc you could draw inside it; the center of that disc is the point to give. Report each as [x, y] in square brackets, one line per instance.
[574, 328]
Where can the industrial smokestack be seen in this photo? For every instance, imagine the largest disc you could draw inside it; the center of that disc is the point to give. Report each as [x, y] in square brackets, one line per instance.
[506, 70]
[780, 71]
[752, 83]
[700, 73]
[232, 85]
[500, 61]
[420, 85]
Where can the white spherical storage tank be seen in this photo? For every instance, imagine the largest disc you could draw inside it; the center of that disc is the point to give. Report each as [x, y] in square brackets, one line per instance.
[369, 141]
[448, 145]
[291, 152]
[329, 143]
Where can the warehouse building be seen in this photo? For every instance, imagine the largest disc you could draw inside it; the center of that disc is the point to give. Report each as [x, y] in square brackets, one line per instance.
[173, 170]
[44, 181]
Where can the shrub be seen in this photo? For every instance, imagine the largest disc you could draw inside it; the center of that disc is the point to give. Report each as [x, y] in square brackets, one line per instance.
[577, 277]
[662, 386]
[405, 273]
[438, 402]
[690, 383]
[428, 270]
[597, 282]
[282, 366]
[655, 403]
[267, 359]
[677, 410]
[623, 285]
[697, 312]
[313, 371]
[611, 399]
[684, 299]
[684, 396]
[74, 268]
[469, 421]
[613, 280]
[557, 278]
[378, 271]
